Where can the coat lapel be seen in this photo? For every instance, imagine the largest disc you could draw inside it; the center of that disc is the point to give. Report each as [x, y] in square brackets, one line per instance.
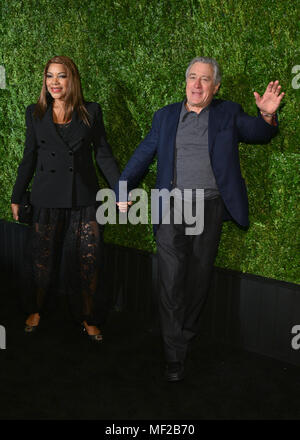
[214, 121]
[78, 131]
[50, 128]
[76, 126]
[171, 127]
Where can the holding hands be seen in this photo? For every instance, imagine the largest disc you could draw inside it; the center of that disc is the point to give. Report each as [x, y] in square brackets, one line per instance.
[123, 206]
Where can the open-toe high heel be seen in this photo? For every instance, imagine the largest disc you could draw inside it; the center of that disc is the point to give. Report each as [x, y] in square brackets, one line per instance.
[30, 328]
[94, 338]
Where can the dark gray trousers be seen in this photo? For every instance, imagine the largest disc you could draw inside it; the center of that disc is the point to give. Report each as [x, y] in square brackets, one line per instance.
[185, 266]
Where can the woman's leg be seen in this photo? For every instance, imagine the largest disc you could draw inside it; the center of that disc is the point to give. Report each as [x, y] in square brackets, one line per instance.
[89, 272]
[42, 260]
[83, 262]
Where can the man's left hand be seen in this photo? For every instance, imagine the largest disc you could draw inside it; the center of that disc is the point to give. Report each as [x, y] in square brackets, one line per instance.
[271, 99]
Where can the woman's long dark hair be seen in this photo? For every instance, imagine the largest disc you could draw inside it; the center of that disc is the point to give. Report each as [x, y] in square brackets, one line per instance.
[74, 97]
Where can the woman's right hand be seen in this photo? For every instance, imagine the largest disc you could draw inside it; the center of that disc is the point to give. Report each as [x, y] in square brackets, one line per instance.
[15, 211]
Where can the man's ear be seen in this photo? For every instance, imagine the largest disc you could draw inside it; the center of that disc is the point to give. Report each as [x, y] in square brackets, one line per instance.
[217, 88]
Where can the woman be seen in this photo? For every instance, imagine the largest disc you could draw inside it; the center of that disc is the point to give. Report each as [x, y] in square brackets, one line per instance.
[61, 130]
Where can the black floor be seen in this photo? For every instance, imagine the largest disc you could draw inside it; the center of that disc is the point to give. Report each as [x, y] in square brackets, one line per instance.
[58, 374]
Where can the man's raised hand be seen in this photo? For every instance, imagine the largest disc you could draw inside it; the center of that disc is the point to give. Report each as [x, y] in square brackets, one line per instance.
[271, 99]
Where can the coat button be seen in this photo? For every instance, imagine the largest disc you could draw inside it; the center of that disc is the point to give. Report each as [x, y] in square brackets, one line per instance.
[42, 141]
[71, 169]
[70, 152]
[53, 171]
[53, 153]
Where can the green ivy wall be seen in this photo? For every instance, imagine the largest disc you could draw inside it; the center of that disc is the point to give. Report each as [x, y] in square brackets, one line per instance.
[132, 57]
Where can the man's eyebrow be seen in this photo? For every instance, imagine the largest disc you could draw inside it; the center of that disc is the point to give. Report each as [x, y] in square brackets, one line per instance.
[202, 76]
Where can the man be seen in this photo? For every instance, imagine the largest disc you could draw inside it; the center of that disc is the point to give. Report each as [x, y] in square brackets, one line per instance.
[196, 143]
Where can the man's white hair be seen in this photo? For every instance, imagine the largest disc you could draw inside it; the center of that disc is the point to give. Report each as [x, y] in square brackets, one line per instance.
[206, 60]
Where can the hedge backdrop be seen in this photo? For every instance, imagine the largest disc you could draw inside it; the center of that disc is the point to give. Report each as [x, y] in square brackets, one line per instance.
[132, 57]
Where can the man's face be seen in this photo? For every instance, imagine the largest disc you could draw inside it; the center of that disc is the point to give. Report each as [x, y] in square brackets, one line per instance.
[200, 86]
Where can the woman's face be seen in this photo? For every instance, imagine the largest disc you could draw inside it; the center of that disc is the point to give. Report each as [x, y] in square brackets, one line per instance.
[57, 81]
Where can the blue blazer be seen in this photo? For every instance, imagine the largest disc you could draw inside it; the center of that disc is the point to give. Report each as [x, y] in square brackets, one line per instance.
[227, 126]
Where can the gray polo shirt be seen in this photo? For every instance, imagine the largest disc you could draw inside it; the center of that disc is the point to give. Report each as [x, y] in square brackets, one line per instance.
[193, 167]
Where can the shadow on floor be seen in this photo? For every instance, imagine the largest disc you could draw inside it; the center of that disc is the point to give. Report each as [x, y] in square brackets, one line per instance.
[58, 374]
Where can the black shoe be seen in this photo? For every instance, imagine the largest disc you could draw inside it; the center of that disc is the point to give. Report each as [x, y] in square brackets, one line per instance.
[174, 371]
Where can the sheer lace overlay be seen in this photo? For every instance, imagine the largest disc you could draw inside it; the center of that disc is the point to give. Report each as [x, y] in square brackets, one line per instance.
[65, 244]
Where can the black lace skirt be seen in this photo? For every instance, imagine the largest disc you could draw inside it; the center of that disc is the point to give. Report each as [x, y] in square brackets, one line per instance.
[65, 253]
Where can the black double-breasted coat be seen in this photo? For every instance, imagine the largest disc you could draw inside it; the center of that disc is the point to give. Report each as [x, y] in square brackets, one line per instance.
[64, 174]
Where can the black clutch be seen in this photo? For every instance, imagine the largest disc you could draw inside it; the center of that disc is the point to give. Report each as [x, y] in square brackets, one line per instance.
[25, 209]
